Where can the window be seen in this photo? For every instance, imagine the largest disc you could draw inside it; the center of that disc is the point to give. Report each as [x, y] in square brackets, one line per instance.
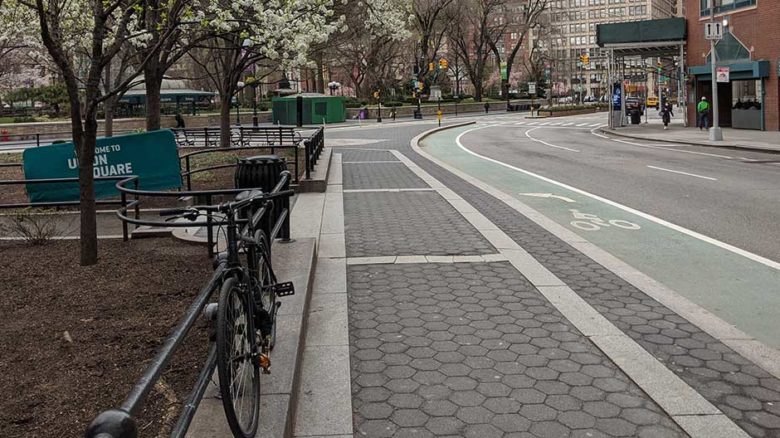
[724, 5]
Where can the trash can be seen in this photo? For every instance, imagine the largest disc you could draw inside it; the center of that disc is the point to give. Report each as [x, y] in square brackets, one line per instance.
[636, 117]
[262, 172]
[417, 114]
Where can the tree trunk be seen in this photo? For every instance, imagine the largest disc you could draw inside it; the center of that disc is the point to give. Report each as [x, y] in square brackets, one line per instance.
[320, 74]
[109, 107]
[89, 243]
[224, 121]
[153, 78]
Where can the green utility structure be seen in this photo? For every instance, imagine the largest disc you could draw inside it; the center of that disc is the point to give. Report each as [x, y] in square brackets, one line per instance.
[317, 109]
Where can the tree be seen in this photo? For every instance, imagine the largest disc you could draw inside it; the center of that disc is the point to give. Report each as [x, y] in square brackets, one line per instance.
[520, 22]
[259, 32]
[430, 26]
[472, 32]
[369, 47]
[105, 26]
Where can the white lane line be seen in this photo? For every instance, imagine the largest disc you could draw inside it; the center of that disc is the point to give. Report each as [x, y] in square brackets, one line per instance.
[567, 124]
[595, 124]
[581, 124]
[533, 123]
[545, 143]
[739, 251]
[683, 173]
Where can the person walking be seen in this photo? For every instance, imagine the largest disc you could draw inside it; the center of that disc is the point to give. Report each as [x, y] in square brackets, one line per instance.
[666, 114]
[179, 120]
[487, 107]
[703, 112]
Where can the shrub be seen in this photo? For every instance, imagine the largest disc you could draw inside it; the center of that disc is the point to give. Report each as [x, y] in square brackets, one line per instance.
[35, 228]
[24, 119]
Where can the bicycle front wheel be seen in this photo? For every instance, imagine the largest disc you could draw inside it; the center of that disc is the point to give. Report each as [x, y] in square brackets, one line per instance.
[237, 361]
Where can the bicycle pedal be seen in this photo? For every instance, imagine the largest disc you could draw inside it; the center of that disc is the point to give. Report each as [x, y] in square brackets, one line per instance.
[284, 289]
[265, 363]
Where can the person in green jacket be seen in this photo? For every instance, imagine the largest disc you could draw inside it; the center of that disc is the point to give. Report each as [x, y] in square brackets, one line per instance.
[703, 112]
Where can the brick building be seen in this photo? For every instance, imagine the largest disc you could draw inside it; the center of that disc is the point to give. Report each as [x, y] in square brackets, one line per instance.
[751, 50]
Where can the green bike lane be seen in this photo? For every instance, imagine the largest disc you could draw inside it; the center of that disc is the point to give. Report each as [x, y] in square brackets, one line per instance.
[741, 288]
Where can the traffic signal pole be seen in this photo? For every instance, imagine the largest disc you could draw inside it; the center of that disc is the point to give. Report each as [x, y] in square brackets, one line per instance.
[715, 132]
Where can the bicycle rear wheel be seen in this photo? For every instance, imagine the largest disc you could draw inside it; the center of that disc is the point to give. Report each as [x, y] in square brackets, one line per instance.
[237, 362]
[266, 298]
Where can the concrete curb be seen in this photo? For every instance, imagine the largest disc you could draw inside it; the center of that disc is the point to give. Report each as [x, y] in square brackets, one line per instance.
[692, 143]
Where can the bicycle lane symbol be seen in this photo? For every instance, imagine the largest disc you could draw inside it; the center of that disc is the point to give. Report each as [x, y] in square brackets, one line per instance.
[591, 222]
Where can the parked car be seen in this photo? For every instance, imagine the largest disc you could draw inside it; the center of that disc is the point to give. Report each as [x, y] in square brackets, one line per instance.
[634, 103]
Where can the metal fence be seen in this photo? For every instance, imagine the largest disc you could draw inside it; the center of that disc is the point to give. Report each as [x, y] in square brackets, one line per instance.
[274, 219]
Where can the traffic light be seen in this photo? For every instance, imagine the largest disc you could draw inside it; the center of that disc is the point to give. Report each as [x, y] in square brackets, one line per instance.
[420, 86]
[585, 59]
[430, 66]
[443, 64]
[376, 94]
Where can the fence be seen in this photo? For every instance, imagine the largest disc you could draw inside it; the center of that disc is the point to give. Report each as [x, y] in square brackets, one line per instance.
[274, 219]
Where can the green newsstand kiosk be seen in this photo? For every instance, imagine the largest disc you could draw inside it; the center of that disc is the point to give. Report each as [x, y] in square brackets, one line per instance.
[317, 109]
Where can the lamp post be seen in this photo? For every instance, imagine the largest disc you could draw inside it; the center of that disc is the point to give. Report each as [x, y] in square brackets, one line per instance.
[333, 87]
[239, 87]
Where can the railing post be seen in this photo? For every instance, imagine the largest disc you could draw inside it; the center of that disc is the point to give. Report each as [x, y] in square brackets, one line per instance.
[136, 207]
[307, 158]
[123, 196]
[189, 176]
[206, 137]
[114, 423]
[240, 136]
[37, 139]
[297, 169]
[209, 232]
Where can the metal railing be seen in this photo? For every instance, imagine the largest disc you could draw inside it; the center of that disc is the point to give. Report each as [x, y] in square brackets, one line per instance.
[119, 422]
[240, 136]
[9, 140]
[188, 171]
[313, 146]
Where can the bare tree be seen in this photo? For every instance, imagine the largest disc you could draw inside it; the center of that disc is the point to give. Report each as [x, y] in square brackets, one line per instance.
[519, 20]
[430, 26]
[473, 29]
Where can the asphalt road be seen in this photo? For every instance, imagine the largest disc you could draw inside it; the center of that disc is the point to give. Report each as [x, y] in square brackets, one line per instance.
[727, 194]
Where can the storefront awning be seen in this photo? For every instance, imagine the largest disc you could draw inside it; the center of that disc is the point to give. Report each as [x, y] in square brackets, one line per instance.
[737, 70]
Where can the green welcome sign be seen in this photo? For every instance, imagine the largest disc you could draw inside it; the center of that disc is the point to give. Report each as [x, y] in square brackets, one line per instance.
[152, 156]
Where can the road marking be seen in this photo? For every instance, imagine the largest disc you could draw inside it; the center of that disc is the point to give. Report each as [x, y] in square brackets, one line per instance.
[739, 251]
[548, 195]
[596, 124]
[547, 144]
[582, 124]
[666, 148]
[370, 162]
[567, 124]
[683, 173]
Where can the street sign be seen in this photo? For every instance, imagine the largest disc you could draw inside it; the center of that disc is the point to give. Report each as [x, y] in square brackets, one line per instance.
[152, 156]
[532, 88]
[713, 31]
[722, 74]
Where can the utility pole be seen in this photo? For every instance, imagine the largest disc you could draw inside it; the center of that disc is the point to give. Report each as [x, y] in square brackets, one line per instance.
[715, 132]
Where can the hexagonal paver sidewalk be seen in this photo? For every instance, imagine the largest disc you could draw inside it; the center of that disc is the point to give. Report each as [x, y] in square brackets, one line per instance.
[407, 223]
[473, 350]
[380, 176]
[744, 392]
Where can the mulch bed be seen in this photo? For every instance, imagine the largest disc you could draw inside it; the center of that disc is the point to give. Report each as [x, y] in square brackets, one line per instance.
[75, 339]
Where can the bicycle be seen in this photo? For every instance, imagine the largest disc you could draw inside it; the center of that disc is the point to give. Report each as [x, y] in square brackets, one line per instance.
[247, 306]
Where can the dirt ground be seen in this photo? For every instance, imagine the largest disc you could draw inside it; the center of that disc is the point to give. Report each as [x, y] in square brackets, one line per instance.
[75, 339]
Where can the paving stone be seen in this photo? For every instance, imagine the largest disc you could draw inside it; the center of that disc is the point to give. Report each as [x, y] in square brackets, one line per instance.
[352, 155]
[469, 380]
[391, 224]
[380, 176]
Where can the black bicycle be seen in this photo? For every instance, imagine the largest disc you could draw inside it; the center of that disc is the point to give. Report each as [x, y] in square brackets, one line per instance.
[247, 306]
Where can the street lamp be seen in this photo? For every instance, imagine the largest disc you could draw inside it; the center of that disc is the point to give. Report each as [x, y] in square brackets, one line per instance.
[239, 87]
[333, 85]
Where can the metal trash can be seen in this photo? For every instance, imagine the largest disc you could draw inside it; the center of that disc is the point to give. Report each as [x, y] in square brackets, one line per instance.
[259, 172]
[418, 114]
[636, 117]
[262, 172]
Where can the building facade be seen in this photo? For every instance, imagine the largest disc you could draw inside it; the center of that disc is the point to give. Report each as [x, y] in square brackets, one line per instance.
[750, 50]
[571, 33]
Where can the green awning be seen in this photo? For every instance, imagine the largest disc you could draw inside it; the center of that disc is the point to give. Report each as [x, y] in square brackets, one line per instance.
[737, 70]
[666, 29]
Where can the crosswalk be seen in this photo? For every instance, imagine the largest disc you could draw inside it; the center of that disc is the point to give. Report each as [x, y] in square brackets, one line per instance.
[539, 124]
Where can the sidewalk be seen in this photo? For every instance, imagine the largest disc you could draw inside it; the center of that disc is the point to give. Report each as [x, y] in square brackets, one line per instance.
[442, 308]
[735, 138]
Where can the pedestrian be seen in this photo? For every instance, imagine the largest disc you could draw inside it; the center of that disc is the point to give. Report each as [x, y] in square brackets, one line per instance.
[487, 107]
[666, 115]
[392, 113]
[703, 111]
[179, 120]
